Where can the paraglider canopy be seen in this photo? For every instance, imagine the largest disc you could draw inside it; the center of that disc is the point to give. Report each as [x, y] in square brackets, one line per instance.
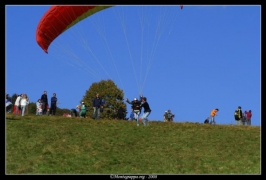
[60, 18]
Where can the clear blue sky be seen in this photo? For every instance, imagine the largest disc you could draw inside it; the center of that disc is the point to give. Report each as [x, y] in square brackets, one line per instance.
[189, 61]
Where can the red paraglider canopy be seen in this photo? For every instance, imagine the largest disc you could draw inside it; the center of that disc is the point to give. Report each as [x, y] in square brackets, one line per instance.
[60, 18]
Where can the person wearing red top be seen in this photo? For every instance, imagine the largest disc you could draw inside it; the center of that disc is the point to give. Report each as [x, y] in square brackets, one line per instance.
[248, 117]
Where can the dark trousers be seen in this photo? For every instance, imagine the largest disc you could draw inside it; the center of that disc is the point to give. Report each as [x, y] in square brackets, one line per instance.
[44, 108]
[53, 109]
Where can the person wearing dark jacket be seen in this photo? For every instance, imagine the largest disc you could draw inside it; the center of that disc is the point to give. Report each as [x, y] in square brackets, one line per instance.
[53, 104]
[147, 110]
[44, 101]
[97, 104]
[136, 108]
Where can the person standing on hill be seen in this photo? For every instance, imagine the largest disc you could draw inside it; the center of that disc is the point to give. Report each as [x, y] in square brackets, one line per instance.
[38, 107]
[244, 119]
[213, 114]
[136, 108]
[248, 117]
[17, 104]
[27, 106]
[165, 116]
[78, 109]
[23, 103]
[83, 110]
[238, 116]
[53, 104]
[147, 110]
[44, 100]
[170, 116]
[97, 104]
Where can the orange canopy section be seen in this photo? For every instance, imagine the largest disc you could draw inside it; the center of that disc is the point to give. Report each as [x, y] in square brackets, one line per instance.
[58, 19]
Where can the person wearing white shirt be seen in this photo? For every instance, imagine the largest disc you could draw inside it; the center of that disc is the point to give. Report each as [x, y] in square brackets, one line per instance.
[17, 103]
[23, 103]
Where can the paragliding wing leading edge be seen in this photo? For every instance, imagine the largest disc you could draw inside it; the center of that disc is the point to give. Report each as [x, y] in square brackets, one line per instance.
[60, 18]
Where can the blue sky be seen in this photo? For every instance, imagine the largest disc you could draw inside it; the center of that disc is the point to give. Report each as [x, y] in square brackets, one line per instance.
[189, 61]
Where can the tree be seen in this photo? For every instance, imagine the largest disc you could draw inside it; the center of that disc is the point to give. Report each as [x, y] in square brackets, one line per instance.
[110, 94]
[32, 108]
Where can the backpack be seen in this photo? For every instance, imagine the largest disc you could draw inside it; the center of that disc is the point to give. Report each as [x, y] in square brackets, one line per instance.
[169, 115]
[237, 115]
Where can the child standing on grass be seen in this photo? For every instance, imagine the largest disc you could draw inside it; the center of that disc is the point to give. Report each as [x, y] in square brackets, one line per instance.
[39, 109]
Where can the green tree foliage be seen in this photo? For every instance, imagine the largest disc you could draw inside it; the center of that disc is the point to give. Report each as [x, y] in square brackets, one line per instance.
[31, 108]
[111, 95]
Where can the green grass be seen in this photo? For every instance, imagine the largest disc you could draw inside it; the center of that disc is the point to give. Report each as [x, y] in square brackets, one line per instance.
[60, 145]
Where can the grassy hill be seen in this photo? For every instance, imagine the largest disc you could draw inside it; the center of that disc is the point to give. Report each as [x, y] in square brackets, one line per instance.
[61, 145]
